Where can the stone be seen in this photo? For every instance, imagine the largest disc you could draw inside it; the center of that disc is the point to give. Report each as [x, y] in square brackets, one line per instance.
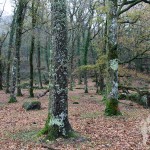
[33, 105]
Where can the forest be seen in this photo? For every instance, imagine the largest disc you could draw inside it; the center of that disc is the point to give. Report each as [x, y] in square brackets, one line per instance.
[75, 75]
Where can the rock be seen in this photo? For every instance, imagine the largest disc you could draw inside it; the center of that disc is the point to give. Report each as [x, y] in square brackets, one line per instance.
[33, 105]
[75, 102]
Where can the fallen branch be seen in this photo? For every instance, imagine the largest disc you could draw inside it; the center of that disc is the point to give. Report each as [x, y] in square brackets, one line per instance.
[43, 94]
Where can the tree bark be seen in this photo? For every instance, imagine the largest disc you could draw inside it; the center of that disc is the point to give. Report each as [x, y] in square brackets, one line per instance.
[10, 48]
[112, 65]
[32, 49]
[1, 78]
[13, 84]
[57, 124]
[39, 61]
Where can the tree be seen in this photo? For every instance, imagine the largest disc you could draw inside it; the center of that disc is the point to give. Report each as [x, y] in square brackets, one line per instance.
[32, 49]
[112, 45]
[57, 124]
[2, 40]
[10, 48]
[20, 14]
[112, 64]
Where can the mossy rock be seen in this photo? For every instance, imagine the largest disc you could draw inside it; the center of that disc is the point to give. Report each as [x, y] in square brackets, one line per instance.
[75, 102]
[134, 97]
[122, 96]
[33, 105]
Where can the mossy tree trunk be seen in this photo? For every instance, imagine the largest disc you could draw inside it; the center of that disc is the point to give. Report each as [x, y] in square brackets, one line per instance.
[79, 56]
[72, 60]
[13, 82]
[32, 49]
[39, 60]
[10, 49]
[1, 79]
[2, 40]
[112, 66]
[20, 14]
[39, 21]
[86, 48]
[21, 9]
[57, 124]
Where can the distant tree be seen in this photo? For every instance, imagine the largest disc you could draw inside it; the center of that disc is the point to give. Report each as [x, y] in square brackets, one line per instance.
[32, 48]
[20, 14]
[2, 40]
[9, 53]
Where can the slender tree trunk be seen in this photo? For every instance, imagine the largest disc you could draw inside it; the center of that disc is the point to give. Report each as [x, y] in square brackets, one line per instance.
[31, 66]
[21, 10]
[39, 60]
[87, 43]
[71, 64]
[10, 48]
[13, 80]
[47, 55]
[79, 59]
[32, 48]
[112, 66]
[57, 124]
[1, 78]
[20, 13]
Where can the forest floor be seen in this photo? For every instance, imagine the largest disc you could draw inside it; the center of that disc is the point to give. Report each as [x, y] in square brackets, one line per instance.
[131, 131]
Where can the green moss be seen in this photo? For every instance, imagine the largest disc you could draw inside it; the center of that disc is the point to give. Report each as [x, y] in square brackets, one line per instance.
[112, 108]
[134, 97]
[32, 105]
[53, 132]
[72, 134]
[122, 96]
[45, 129]
[113, 54]
[12, 99]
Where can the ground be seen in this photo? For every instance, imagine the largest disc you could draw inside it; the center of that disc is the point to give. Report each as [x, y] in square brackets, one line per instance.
[18, 128]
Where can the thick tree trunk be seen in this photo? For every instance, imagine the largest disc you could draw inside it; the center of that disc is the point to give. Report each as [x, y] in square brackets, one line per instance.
[57, 124]
[112, 66]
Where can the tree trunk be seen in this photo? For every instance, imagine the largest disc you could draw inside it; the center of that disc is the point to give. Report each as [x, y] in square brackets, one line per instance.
[79, 59]
[10, 48]
[87, 43]
[34, 10]
[21, 9]
[1, 79]
[13, 84]
[31, 66]
[39, 60]
[112, 65]
[57, 124]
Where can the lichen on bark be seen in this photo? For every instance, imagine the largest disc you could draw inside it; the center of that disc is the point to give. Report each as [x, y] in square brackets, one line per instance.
[57, 124]
[112, 61]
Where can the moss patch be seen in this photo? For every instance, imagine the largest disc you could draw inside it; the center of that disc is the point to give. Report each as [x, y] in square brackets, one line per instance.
[112, 108]
[12, 99]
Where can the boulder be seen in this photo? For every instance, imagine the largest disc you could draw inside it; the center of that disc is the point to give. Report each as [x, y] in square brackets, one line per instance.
[33, 105]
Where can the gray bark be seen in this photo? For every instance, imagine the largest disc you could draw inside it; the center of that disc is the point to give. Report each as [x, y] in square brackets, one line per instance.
[58, 124]
[112, 66]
